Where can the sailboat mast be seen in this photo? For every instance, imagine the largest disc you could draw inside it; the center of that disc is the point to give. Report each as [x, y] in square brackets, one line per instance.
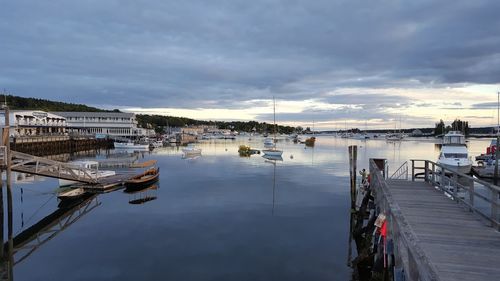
[274, 116]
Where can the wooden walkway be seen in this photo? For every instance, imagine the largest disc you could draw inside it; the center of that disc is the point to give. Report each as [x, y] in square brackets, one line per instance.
[453, 240]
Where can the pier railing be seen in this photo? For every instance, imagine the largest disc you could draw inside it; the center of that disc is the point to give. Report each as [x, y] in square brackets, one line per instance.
[401, 172]
[477, 195]
[408, 253]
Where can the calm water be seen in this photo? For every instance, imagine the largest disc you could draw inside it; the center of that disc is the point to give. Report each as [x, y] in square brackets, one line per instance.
[217, 217]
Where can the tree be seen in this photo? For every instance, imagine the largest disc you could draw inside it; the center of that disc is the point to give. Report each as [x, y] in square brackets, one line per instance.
[439, 129]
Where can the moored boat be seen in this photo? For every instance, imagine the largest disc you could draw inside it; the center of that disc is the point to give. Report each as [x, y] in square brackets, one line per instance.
[131, 145]
[71, 194]
[454, 154]
[149, 176]
[93, 170]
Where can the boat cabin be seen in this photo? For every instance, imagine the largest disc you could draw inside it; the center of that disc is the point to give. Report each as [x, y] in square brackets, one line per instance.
[454, 138]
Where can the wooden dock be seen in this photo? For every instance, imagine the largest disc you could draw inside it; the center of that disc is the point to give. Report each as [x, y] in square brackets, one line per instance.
[440, 237]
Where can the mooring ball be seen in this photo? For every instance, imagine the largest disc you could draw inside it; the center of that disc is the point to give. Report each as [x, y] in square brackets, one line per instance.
[291, 156]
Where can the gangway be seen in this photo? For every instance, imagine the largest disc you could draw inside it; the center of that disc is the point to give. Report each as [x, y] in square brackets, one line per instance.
[26, 163]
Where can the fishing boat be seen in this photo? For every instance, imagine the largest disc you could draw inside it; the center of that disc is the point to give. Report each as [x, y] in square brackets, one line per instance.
[131, 146]
[92, 169]
[149, 176]
[454, 153]
[272, 151]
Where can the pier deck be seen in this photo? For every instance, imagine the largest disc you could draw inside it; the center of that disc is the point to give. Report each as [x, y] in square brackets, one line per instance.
[455, 241]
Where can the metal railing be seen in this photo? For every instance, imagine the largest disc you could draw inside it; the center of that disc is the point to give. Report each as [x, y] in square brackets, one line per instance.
[479, 196]
[401, 172]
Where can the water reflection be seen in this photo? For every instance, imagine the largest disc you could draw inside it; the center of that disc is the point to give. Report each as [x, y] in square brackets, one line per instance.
[141, 195]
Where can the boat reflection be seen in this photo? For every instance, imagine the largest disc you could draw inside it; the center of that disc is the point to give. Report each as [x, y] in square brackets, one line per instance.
[21, 246]
[272, 157]
[142, 195]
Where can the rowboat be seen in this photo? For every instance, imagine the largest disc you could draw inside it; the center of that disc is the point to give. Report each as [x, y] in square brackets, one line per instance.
[71, 194]
[149, 176]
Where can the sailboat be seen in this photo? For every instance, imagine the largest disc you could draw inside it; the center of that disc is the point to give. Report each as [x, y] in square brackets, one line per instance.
[273, 151]
[311, 140]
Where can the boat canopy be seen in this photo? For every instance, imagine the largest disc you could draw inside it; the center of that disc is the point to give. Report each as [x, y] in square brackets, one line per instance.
[454, 138]
[144, 164]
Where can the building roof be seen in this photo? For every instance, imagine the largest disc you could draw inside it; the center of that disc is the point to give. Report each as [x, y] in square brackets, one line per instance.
[95, 114]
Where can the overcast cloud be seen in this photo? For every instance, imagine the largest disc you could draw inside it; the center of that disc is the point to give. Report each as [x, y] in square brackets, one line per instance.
[224, 54]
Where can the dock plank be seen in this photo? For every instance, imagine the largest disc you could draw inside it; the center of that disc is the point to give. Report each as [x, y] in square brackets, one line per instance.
[456, 241]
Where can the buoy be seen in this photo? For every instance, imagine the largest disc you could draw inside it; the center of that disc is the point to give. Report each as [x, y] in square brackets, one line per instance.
[291, 156]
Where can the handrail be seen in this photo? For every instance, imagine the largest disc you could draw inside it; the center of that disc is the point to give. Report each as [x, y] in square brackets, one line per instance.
[401, 171]
[447, 180]
[409, 252]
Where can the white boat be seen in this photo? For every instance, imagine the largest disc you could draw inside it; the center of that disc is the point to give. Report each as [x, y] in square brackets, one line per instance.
[93, 167]
[268, 142]
[191, 150]
[454, 153]
[71, 194]
[157, 144]
[273, 151]
[130, 145]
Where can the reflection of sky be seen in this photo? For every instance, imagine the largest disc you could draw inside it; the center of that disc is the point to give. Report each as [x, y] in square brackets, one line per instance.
[214, 217]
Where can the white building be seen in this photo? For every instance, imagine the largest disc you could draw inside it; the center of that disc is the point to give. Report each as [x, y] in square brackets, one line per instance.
[34, 123]
[112, 124]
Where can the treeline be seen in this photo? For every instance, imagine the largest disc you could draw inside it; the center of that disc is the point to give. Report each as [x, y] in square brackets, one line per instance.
[161, 122]
[20, 103]
[457, 125]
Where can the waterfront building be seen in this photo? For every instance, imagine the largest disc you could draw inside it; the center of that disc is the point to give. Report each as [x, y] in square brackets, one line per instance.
[34, 123]
[109, 124]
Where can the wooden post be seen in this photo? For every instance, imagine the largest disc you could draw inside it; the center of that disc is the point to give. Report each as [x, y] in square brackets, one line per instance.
[353, 155]
[412, 170]
[426, 171]
[494, 209]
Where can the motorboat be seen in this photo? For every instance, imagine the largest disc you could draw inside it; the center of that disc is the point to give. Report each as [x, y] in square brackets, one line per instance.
[92, 168]
[454, 154]
[394, 137]
[157, 144]
[310, 141]
[131, 146]
[191, 150]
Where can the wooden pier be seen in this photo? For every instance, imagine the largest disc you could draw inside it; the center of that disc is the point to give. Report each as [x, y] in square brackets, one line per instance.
[442, 227]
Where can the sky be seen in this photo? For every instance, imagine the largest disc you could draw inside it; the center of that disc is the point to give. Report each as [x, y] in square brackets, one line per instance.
[367, 64]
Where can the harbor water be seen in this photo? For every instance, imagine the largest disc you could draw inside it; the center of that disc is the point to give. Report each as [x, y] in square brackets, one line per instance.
[215, 217]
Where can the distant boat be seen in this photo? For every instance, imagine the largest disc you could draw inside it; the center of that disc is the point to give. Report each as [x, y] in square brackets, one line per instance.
[191, 150]
[93, 169]
[156, 144]
[310, 141]
[273, 151]
[454, 154]
[131, 145]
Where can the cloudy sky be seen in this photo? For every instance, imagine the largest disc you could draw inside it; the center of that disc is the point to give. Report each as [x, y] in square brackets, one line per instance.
[333, 62]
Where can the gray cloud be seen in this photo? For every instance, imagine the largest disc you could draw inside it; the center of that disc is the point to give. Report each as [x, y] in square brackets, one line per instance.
[219, 53]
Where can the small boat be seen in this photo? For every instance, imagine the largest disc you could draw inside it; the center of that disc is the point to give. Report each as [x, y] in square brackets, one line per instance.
[92, 166]
[148, 177]
[310, 141]
[131, 145]
[71, 194]
[191, 150]
[268, 142]
[245, 150]
[454, 154]
[157, 144]
[272, 151]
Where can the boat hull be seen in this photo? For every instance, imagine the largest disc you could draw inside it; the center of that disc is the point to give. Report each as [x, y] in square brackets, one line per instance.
[272, 152]
[121, 145]
[465, 169]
